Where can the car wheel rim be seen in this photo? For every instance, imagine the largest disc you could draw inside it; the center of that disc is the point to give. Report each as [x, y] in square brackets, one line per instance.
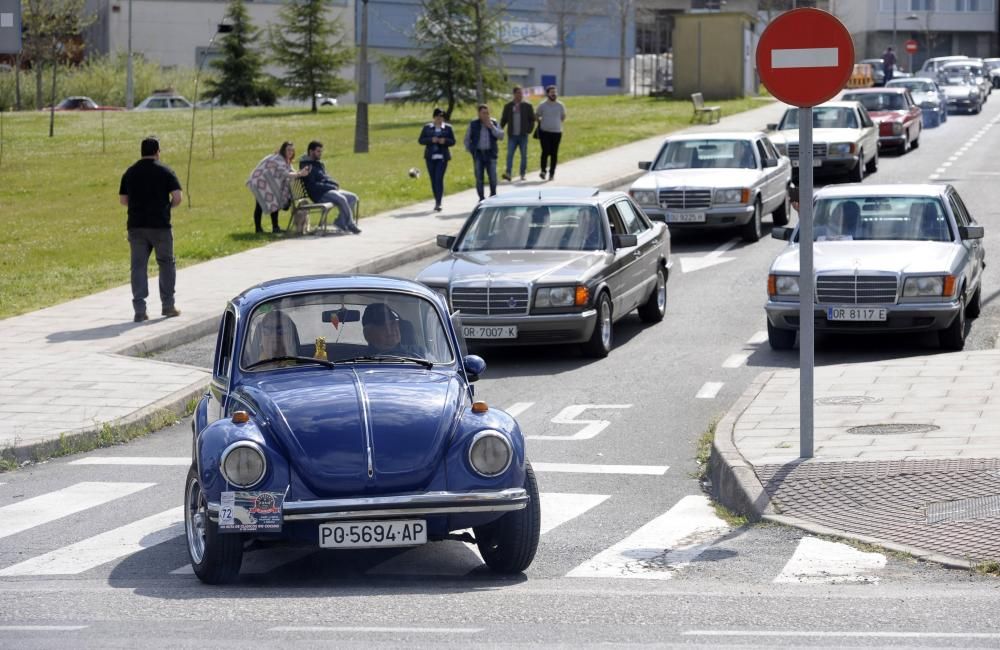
[196, 518]
[661, 292]
[605, 324]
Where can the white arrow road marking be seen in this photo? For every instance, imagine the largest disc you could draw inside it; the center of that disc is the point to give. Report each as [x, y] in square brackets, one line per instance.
[43, 509]
[709, 390]
[103, 548]
[575, 468]
[691, 263]
[592, 427]
[820, 562]
[805, 57]
[449, 559]
[663, 545]
[517, 408]
[133, 460]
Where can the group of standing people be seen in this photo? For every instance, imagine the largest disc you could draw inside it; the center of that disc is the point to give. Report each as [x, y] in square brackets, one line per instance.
[519, 120]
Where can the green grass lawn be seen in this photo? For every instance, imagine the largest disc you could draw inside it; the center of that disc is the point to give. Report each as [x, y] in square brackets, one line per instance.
[63, 231]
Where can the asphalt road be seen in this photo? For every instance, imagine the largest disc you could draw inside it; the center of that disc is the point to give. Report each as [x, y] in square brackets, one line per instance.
[643, 409]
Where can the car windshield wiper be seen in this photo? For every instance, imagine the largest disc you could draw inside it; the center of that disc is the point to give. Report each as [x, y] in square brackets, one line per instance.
[322, 362]
[389, 357]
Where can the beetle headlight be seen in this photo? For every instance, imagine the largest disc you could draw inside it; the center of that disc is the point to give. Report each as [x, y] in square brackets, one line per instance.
[928, 286]
[782, 285]
[644, 197]
[243, 464]
[555, 297]
[490, 453]
[841, 148]
[731, 196]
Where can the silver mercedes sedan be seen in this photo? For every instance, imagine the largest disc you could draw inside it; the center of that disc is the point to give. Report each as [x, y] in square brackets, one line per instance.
[551, 266]
[887, 258]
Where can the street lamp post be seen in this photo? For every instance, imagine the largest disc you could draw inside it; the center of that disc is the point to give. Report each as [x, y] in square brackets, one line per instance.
[129, 89]
[221, 28]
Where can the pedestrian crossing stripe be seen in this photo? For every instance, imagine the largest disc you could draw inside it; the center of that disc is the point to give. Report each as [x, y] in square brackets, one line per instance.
[36, 511]
[663, 545]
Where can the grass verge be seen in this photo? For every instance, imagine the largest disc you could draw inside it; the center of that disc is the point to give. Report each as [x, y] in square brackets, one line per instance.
[64, 232]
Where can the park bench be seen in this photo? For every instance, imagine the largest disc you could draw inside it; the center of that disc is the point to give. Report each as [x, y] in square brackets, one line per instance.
[302, 203]
[701, 110]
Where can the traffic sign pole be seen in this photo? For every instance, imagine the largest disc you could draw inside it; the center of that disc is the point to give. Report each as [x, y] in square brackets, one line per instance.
[806, 290]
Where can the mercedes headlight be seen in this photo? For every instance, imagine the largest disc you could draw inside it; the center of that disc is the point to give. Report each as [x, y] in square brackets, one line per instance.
[928, 286]
[490, 453]
[841, 148]
[243, 464]
[555, 297]
[782, 285]
[732, 196]
[644, 197]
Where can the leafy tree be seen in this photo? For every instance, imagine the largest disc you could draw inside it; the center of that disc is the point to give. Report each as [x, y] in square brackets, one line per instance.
[459, 60]
[241, 80]
[311, 48]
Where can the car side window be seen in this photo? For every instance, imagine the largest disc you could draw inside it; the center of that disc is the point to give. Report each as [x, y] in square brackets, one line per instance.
[224, 363]
[633, 224]
[962, 215]
[615, 221]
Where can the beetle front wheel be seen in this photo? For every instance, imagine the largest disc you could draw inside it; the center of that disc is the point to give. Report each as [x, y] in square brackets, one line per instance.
[508, 544]
[215, 557]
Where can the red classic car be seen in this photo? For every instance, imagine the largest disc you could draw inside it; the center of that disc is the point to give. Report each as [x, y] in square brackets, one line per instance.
[900, 119]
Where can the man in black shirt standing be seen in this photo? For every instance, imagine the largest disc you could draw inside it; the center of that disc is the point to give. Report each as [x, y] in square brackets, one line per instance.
[149, 189]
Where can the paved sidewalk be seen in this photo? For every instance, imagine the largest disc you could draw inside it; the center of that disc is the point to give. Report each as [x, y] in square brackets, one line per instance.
[67, 369]
[907, 454]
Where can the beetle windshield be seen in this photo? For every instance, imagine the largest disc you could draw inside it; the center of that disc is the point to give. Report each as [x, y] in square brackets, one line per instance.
[348, 326]
[824, 117]
[524, 227]
[908, 218]
[706, 154]
[879, 101]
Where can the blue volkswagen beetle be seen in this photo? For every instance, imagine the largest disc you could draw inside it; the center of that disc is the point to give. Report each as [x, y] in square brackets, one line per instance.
[341, 414]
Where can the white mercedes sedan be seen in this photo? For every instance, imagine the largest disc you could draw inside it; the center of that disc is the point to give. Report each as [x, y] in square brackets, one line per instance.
[887, 258]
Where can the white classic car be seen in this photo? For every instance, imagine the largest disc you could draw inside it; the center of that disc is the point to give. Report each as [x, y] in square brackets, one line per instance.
[718, 180]
[887, 258]
[845, 139]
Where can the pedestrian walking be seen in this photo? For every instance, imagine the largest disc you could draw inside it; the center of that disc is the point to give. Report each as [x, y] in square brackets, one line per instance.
[481, 141]
[149, 189]
[518, 117]
[437, 138]
[271, 187]
[551, 114]
[321, 188]
[888, 64]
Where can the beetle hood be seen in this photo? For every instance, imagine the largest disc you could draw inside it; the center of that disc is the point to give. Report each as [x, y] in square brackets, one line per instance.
[328, 420]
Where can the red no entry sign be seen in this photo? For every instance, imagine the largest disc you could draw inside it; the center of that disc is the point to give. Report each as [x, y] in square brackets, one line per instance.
[911, 46]
[805, 57]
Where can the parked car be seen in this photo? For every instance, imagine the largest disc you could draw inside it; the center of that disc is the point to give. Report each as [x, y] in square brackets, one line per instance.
[81, 103]
[962, 91]
[718, 180]
[340, 414]
[845, 139]
[887, 258]
[159, 101]
[553, 266]
[899, 119]
[975, 69]
[926, 93]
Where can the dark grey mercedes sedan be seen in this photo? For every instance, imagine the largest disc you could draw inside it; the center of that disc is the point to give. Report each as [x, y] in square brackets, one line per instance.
[553, 266]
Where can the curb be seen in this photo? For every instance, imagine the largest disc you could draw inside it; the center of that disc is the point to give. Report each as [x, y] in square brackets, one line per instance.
[736, 486]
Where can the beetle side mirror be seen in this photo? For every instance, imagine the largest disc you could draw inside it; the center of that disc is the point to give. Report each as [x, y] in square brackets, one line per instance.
[646, 164]
[474, 366]
[624, 241]
[773, 126]
[970, 232]
[446, 241]
[781, 232]
[770, 162]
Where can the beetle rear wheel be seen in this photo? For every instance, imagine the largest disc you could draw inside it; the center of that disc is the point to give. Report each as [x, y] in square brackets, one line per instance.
[508, 544]
[215, 557]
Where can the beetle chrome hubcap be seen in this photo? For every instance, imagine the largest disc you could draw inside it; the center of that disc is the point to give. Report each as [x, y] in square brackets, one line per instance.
[605, 324]
[195, 518]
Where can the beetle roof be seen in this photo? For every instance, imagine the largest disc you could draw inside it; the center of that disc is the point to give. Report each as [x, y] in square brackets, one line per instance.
[318, 283]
